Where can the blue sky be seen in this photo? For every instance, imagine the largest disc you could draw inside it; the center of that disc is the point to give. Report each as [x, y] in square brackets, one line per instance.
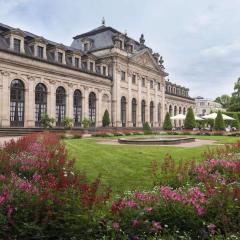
[199, 40]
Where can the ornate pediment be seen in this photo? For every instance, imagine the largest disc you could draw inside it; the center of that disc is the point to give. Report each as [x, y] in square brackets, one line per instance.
[145, 58]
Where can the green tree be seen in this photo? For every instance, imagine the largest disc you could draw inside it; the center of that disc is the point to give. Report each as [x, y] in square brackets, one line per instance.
[167, 125]
[106, 119]
[219, 123]
[236, 123]
[235, 99]
[224, 100]
[146, 128]
[190, 122]
[46, 121]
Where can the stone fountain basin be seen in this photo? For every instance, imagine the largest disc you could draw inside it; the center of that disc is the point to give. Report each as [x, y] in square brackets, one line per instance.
[156, 140]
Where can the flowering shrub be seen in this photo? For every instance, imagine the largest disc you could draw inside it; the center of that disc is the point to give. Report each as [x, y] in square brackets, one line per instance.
[200, 200]
[41, 194]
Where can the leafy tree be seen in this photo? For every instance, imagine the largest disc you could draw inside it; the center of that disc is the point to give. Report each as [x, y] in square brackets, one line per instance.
[224, 100]
[167, 125]
[146, 128]
[219, 123]
[106, 119]
[190, 122]
[46, 121]
[235, 99]
[67, 122]
[236, 123]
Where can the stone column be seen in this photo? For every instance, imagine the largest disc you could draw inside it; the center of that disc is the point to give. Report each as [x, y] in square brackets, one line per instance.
[163, 110]
[29, 118]
[147, 112]
[129, 103]
[156, 124]
[114, 95]
[69, 101]
[99, 109]
[139, 103]
[51, 106]
[85, 103]
[5, 99]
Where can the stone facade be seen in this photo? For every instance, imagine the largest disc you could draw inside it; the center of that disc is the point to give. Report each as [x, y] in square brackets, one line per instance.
[102, 70]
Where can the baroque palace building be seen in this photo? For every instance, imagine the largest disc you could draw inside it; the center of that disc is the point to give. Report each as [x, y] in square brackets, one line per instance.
[103, 69]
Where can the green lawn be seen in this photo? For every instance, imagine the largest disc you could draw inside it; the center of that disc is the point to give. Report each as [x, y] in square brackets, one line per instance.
[126, 167]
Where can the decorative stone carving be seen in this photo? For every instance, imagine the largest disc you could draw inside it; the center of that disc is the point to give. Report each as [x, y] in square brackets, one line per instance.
[5, 73]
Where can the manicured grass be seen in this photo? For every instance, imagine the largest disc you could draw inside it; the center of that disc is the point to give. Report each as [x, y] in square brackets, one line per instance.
[127, 167]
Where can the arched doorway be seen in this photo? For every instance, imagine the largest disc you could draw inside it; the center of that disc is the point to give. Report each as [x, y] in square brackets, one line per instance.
[143, 107]
[40, 103]
[17, 97]
[92, 109]
[60, 105]
[77, 108]
[134, 112]
[123, 111]
[151, 113]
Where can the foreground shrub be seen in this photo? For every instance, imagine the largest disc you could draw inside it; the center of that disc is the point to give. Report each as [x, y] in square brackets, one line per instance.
[106, 119]
[42, 195]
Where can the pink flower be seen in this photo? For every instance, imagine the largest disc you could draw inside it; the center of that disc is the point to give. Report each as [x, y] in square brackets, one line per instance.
[4, 196]
[115, 226]
[36, 177]
[211, 228]
[135, 223]
[25, 185]
[9, 211]
[157, 226]
[148, 209]
[2, 178]
[131, 203]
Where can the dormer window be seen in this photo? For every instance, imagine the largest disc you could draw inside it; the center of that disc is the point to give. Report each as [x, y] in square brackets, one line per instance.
[104, 70]
[40, 51]
[17, 45]
[91, 66]
[84, 65]
[120, 44]
[60, 57]
[77, 62]
[85, 46]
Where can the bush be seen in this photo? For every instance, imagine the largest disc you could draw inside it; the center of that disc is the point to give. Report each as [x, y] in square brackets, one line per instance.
[67, 122]
[235, 123]
[147, 129]
[46, 121]
[219, 123]
[106, 119]
[167, 125]
[86, 123]
[190, 122]
[42, 196]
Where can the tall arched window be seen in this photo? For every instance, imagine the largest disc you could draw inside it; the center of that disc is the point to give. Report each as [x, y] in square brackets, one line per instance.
[180, 110]
[40, 102]
[77, 108]
[92, 109]
[143, 107]
[175, 110]
[170, 110]
[151, 112]
[184, 110]
[134, 112]
[159, 114]
[60, 105]
[123, 111]
[17, 96]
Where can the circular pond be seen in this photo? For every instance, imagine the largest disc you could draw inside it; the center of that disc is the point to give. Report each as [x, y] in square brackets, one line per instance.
[155, 140]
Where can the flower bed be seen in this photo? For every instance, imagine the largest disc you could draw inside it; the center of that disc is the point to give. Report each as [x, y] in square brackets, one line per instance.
[42, 196]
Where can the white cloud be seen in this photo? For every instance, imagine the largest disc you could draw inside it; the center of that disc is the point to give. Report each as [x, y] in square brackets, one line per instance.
[8, 5]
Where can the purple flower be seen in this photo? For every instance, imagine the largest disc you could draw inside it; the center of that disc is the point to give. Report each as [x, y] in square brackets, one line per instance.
[157, 226]
[115, 226]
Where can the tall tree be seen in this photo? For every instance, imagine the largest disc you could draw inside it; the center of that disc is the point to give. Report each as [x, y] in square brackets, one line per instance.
[235, 100]
[219, 123]
[224, 100]
[190, 122]
[167, 125]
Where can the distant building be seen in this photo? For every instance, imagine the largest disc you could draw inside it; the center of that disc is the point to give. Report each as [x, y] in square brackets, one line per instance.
[204, 106]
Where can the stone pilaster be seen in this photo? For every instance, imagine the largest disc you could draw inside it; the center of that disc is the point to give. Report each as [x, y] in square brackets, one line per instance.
[69, 101]
[85, 103]
[99, 109]
[5, 99]
[51, 106]
[139, 103]
[29, 119]
[129, 103]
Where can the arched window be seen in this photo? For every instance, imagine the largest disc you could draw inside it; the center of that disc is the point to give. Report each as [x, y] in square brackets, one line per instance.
[143, 106]
[170, 110]
[159, 114]
[180, 110]
[134, 112]
[175, 110]
[123, 111]
[151, 112]
[60, 105]
[92, 109]
[77, 108]
[17, 96]
[40, 102]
